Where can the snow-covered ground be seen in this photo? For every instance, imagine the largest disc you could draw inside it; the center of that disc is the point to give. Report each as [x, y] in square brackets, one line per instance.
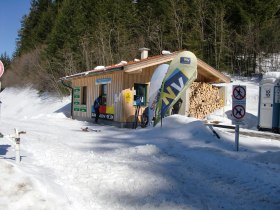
[180, 166]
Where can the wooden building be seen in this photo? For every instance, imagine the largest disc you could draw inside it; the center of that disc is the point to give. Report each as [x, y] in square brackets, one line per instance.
[119, 85]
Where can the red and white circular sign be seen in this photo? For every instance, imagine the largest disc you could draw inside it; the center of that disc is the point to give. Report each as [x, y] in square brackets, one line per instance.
[239, 92]
[1, 69]
[238, 111]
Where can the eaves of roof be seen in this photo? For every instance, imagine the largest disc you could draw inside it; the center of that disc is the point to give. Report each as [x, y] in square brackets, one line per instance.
[144, 63]
[127, 67]
[93, 72]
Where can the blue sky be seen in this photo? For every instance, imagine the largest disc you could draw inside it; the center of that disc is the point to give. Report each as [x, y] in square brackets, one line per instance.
[11, 13]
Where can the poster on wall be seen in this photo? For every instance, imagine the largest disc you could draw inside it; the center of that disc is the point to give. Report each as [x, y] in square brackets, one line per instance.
[106, 112]
[128, 96]
[76, 98]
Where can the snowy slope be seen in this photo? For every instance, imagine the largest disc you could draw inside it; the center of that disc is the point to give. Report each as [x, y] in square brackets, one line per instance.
[179, 166]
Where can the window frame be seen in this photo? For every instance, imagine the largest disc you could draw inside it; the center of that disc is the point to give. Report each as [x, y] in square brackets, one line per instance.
[103, 92]
[137, 94]
[84, 95]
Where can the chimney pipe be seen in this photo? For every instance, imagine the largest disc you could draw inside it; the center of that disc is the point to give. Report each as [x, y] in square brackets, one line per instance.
[144, 52]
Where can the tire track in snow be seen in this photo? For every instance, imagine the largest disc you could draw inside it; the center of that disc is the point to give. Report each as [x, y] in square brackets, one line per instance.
[228, 184]
[91, 175]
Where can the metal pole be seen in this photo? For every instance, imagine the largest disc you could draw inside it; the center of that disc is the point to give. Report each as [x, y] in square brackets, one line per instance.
[237, 137]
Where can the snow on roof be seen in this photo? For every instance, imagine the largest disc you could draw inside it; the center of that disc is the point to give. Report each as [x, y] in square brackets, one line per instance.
[271, 77]
[135, 65]
[112, 67]
[99, 67]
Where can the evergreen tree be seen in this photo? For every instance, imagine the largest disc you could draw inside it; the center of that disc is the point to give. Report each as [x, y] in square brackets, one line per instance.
[6, 60]
[36, 26]
[68, 36]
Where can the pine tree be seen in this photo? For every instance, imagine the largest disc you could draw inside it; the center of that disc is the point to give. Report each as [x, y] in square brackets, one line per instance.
[69, 36]
[36, 26]
[6, 60]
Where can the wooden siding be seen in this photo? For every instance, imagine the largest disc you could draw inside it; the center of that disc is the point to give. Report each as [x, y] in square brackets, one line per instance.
[142, 77]
[114, 92]
[205, 72]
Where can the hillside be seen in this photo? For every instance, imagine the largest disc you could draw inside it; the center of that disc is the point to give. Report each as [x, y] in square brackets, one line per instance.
[238, 37]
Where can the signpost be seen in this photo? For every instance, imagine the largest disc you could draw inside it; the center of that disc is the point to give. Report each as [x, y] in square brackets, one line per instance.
[238, 109]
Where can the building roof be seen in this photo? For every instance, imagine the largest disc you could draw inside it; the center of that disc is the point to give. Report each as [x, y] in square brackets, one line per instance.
[204, 70]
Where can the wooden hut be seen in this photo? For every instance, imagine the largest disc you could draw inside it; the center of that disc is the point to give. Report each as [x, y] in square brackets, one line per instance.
[119, 85]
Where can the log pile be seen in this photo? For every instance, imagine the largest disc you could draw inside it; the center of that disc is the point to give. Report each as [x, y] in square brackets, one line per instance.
[204, 99]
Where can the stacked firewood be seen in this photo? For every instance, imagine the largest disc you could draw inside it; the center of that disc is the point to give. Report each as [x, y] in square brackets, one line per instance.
[204, 99]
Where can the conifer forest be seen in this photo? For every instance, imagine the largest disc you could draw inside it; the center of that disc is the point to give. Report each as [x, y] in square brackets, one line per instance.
[63, 37]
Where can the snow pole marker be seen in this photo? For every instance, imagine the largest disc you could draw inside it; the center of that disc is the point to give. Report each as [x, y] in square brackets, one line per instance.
[16, 142]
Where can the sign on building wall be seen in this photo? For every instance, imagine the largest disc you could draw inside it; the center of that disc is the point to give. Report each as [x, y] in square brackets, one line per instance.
[103, 81]
[128, 98]
[77, 98]
[106, 112]
[83, 108]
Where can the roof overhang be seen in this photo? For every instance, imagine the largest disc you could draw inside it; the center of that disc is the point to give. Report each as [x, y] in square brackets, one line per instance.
[92, 72]
[211, 74]
[208, 71]
[153, 61]
[203, 68]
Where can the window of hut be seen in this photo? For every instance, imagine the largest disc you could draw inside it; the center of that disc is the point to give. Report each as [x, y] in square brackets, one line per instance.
[84, 95]
[103, 93]
[140, 95]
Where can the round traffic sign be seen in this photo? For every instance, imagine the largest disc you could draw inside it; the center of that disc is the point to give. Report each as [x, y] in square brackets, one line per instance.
[1, 69]
[238, 111]
[239, 93]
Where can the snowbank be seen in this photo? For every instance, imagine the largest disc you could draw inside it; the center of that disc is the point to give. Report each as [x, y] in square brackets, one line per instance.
[181, 165]
[275, 74]
[26, 103]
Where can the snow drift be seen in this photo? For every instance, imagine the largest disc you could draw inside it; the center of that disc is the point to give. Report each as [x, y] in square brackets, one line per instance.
[180, 165]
